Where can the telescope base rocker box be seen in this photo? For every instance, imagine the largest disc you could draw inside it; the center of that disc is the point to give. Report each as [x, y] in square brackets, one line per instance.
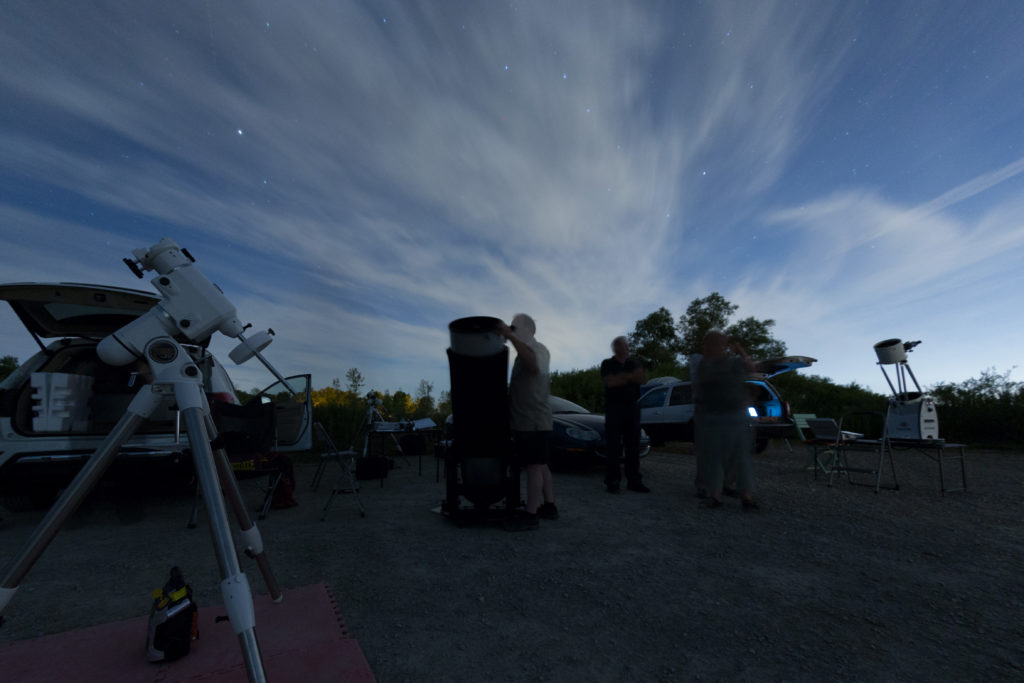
[302, 639]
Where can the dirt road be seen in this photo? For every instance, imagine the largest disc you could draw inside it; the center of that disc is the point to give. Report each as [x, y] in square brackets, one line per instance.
[823, 584]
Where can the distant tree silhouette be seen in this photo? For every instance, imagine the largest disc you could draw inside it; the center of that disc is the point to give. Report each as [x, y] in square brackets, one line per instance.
[8, 364]
[355, 380]
[655, 340]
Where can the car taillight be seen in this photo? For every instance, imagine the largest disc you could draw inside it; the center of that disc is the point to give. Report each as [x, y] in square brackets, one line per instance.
[785, 410]
[224, 397]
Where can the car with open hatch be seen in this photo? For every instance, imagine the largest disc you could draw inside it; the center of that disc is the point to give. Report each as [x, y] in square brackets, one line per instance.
[58, 406]
[667, 404]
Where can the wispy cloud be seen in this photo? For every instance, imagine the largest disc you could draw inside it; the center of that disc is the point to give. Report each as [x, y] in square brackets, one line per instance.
[359, 174]
[860, 268]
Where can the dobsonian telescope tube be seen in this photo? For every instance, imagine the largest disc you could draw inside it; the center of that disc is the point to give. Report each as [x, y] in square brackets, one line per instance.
[478, 362]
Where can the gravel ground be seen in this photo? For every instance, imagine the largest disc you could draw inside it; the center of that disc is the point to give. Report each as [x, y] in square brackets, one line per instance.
[822, 584]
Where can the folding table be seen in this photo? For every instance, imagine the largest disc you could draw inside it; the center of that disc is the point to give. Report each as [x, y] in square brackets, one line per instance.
[936, 450]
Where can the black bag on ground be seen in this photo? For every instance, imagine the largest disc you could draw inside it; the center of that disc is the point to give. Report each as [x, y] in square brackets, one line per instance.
[173, 620]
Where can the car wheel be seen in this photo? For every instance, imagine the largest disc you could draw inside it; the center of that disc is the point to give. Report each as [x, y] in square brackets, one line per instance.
[655, 437]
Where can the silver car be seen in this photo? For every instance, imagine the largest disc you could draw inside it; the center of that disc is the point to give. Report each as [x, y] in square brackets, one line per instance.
[58, 406]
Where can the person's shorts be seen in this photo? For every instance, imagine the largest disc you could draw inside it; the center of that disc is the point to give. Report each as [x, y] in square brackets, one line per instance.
[531, 448]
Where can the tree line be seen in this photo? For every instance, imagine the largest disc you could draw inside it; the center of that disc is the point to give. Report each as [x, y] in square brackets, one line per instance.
[987, 410]
[343, 409]
[664, 343]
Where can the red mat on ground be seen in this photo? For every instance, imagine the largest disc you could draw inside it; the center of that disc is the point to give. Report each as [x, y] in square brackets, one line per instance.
[302, 639]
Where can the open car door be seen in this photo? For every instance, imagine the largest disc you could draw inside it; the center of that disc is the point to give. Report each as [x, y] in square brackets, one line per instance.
[293, 413]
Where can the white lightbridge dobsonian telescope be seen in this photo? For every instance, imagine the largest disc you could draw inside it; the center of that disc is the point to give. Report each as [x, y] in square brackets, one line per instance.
[192, 309]
[911, 415]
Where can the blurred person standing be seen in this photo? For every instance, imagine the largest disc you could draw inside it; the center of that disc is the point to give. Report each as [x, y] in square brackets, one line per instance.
[724, 438]
[622, 377]
[530, 417]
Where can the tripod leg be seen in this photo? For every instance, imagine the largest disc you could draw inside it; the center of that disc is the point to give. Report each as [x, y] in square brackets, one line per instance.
[354, 486]
[142, 405]
[249, 532]
[234, 585]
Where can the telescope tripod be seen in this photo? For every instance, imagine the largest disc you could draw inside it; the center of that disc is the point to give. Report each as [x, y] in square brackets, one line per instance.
[177, 380]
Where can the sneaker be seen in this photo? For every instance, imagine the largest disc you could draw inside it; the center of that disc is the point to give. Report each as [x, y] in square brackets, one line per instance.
[524, 521]
[547, 511]
[638, 487]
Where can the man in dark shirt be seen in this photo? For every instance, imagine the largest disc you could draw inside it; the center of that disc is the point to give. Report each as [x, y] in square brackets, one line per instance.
[622, 377]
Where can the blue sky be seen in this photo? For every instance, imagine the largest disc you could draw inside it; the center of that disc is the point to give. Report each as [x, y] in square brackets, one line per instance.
[356, 175]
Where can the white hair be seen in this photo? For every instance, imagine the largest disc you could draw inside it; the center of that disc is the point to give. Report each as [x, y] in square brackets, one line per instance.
[527, 322]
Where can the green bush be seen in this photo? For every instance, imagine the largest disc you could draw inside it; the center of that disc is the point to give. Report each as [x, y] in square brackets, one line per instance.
[824, 398]
[987, 410]
[584, 387]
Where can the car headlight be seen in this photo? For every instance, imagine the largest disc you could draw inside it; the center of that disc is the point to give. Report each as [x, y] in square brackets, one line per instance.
[582, 434]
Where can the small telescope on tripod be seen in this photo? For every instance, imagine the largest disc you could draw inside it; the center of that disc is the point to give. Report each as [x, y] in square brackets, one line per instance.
[911, 415]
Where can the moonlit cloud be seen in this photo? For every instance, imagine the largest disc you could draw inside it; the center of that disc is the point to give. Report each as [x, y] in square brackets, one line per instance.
[357, 183]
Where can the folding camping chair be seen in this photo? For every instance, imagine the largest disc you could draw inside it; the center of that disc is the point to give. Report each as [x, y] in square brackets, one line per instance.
[346, 460]
[331, 453]
[824, 443]
[806, 437]
[843, 442]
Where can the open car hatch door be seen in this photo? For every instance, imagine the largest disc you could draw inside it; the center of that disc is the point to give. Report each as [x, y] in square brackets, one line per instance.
[55, 310]
[777, 366]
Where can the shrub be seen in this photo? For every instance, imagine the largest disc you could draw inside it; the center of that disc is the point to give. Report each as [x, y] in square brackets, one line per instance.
[987, 410]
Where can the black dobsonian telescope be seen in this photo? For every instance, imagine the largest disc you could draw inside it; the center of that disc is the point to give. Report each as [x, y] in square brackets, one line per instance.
[478, 460]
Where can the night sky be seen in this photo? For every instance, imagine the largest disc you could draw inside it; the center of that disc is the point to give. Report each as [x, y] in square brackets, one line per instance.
[356, 175]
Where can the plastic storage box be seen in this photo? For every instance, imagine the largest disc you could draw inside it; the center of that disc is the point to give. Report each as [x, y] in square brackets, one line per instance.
[60, 402]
